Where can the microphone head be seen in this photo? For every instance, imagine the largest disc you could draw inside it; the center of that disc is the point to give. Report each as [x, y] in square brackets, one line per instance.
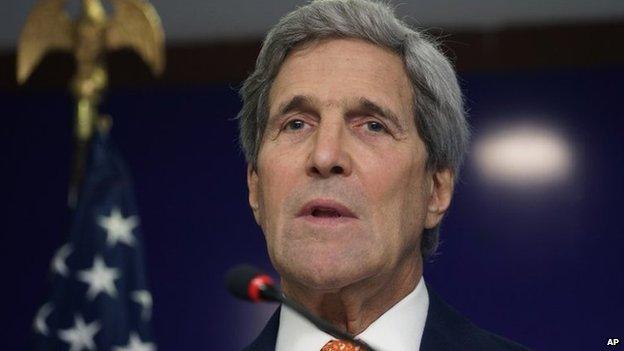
[247, 282]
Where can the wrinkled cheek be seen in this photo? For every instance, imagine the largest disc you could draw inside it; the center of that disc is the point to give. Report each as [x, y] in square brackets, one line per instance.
[285, 252]
[269, 192]
[389, 224]
[271, 204]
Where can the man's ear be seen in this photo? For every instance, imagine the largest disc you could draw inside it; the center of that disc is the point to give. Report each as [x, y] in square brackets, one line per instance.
[252, 186]
[440, 194]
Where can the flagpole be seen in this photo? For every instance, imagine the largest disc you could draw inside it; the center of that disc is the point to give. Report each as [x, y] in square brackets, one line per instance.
[88, 84]
[88, 37]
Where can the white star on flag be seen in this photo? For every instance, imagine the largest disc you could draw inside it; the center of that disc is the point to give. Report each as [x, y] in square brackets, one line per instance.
[135, 344]
[80, 336]
[40, 324]
[118, 228]
[100, 278]
[59, 264]
[143, 298]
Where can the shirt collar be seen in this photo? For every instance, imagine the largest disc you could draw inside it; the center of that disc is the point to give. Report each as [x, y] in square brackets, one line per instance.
[399, 328]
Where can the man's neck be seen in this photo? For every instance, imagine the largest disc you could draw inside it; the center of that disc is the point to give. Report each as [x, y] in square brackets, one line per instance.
[354, 307]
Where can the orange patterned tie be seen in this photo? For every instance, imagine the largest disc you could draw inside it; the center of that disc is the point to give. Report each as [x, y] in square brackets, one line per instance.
[340, 345]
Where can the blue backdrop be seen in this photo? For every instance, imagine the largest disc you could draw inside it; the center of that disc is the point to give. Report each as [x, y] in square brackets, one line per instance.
[542, 266]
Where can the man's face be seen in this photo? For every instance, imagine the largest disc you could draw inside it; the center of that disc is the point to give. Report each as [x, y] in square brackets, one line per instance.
[341, 190]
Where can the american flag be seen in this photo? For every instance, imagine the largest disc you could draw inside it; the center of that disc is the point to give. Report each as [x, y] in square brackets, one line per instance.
[99, 298]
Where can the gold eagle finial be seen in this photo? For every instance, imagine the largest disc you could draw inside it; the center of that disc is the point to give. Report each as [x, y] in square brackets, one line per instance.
[134, 24]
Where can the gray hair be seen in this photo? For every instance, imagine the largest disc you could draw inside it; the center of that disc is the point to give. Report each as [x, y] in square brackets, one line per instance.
[438, 105]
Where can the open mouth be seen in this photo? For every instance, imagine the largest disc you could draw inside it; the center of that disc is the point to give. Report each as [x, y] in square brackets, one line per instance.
[326, 208]
[325, 212]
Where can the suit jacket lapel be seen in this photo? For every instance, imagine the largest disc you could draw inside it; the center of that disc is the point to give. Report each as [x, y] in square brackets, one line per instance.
[268, 336]
[445, 328]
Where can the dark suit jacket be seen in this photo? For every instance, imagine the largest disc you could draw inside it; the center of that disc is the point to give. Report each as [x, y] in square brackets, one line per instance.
[445, 330]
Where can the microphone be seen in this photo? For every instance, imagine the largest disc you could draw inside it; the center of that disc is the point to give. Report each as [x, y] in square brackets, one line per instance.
[248, 283]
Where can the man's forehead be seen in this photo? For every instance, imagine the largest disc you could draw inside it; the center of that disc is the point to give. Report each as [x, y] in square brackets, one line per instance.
[329, 44]
[342, 69]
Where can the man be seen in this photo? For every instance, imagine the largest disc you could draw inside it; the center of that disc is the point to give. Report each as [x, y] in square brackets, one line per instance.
[354, 131]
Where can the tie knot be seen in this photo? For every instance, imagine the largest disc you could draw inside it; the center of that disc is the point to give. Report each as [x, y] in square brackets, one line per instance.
[340, 345]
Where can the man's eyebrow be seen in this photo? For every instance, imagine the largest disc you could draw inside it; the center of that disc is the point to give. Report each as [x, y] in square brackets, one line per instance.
[369, 107]
[297, 102]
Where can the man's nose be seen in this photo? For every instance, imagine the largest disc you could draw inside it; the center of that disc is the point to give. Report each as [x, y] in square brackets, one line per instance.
[329, 155]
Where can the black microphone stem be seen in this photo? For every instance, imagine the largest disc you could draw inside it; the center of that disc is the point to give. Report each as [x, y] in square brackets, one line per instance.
[272, 294]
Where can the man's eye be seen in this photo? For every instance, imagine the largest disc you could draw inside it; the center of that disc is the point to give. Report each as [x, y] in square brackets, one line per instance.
[294, 124]
[376, 127]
